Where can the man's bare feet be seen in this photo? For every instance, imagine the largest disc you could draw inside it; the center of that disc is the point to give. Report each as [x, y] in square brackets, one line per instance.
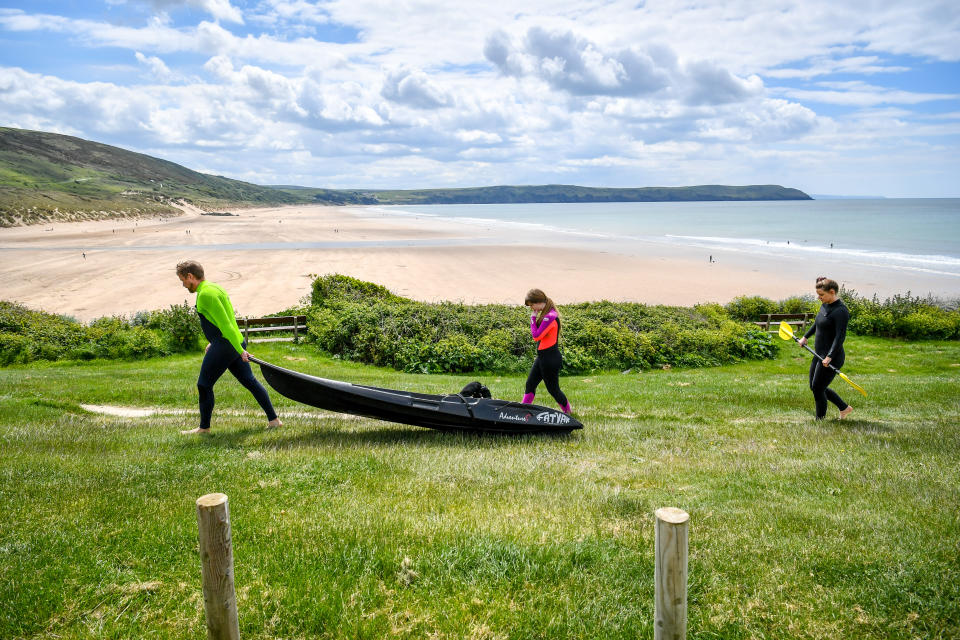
[192, 431]
[845, 412]
[273, 424]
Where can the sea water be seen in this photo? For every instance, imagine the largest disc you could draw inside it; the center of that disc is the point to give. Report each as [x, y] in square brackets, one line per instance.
[905, 234]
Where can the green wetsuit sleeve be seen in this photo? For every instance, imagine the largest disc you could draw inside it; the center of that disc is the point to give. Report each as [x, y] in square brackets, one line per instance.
[215, 306]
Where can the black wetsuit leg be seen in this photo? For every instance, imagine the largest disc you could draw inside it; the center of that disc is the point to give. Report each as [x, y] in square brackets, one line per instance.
[820, 379]
[534, 378]
[220, 357]
[244, 374]
[547, 368]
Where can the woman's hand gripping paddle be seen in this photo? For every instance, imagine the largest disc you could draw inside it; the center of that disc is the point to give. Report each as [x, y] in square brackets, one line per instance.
[786, 333]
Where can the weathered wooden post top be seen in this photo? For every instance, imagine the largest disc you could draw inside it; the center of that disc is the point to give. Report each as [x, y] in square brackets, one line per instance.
[670, 574]
[216, 561]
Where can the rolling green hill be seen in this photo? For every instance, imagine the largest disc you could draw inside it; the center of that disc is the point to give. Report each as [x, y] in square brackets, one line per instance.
[572, 193]
[546, 193]
[49, 176]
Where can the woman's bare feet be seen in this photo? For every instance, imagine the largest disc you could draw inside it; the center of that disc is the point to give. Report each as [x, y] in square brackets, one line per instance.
[192, 431]
[845, 412]
[273, 424]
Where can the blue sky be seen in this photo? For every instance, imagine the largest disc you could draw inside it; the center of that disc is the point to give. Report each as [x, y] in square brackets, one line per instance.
[824, 96]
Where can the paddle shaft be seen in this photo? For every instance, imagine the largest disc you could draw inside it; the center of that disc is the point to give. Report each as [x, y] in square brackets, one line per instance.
[786, 333]
[819, 357]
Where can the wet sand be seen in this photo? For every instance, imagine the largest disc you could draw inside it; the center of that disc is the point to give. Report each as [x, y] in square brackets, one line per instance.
[266, 258]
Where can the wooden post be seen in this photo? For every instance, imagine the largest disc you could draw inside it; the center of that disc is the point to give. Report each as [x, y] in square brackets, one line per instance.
[246, 328]
[296, 321]
[216, 558]
[670, 574]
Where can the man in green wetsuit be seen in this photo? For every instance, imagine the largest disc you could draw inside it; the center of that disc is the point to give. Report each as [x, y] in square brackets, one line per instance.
[226, 349]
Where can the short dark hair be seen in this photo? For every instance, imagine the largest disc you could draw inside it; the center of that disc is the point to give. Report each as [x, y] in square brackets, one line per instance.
[192, 267]
[826, 284]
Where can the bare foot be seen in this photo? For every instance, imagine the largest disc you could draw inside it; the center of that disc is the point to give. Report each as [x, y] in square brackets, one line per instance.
[273, 424]
[845, 412]
[192, 431]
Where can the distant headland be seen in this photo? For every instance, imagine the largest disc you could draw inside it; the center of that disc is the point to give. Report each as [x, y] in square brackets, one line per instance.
[49, 176]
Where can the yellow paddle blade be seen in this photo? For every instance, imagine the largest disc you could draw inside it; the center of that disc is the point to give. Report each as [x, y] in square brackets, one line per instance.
[786, 333]
[852, 384]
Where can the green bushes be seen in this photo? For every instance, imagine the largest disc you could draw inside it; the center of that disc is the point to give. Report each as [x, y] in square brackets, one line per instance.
[411, 336]
[901, 316]
[178, 326]
[27, 335]
[365, 322]
[341, 287]
[748, 308]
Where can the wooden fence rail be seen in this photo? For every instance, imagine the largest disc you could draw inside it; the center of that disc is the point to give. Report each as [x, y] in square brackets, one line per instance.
[771, 321]
[273, 324]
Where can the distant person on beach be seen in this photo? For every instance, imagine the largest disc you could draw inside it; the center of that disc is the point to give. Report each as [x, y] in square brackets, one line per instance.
[545, 329]
[226, 349]
[830, 326]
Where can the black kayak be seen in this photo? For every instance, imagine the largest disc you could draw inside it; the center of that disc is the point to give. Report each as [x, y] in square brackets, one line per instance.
[451, 412]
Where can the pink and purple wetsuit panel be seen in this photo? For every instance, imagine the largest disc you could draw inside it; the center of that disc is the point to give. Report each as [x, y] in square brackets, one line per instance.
[547, 331]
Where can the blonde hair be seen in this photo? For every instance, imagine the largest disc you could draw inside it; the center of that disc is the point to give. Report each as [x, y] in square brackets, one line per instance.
[535, 296]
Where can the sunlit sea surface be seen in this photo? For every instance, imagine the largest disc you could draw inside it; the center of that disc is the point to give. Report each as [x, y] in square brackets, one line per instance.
[905, 234]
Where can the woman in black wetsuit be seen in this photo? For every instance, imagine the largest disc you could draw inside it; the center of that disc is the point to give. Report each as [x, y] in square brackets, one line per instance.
[830, 325]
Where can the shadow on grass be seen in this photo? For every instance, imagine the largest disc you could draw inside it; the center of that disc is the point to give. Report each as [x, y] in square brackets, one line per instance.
[377, 435]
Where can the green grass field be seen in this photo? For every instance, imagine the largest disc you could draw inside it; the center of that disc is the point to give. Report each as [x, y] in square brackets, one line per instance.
[798, 529]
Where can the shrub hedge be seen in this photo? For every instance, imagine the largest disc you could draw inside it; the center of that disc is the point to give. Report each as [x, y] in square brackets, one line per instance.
[27, 335]
[901, 316]
[363, 321]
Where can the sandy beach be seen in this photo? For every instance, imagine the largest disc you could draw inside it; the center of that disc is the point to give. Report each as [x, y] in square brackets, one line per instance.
[265, 258]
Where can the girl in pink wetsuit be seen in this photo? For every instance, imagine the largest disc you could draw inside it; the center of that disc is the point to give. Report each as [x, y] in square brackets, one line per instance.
[545, 329]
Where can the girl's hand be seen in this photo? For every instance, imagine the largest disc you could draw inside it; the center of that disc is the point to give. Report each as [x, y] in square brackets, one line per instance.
[826, 361]
[802, 342]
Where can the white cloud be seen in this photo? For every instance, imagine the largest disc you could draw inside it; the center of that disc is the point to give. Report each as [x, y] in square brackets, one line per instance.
[158, 36]
[770, 121]
[576, 65]
[413, 88]
[156, 66]
[296, 13]
[481, 137]
[859, 93]
[709, 84]
[219, 9]
[822, 66]
[18, 20]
